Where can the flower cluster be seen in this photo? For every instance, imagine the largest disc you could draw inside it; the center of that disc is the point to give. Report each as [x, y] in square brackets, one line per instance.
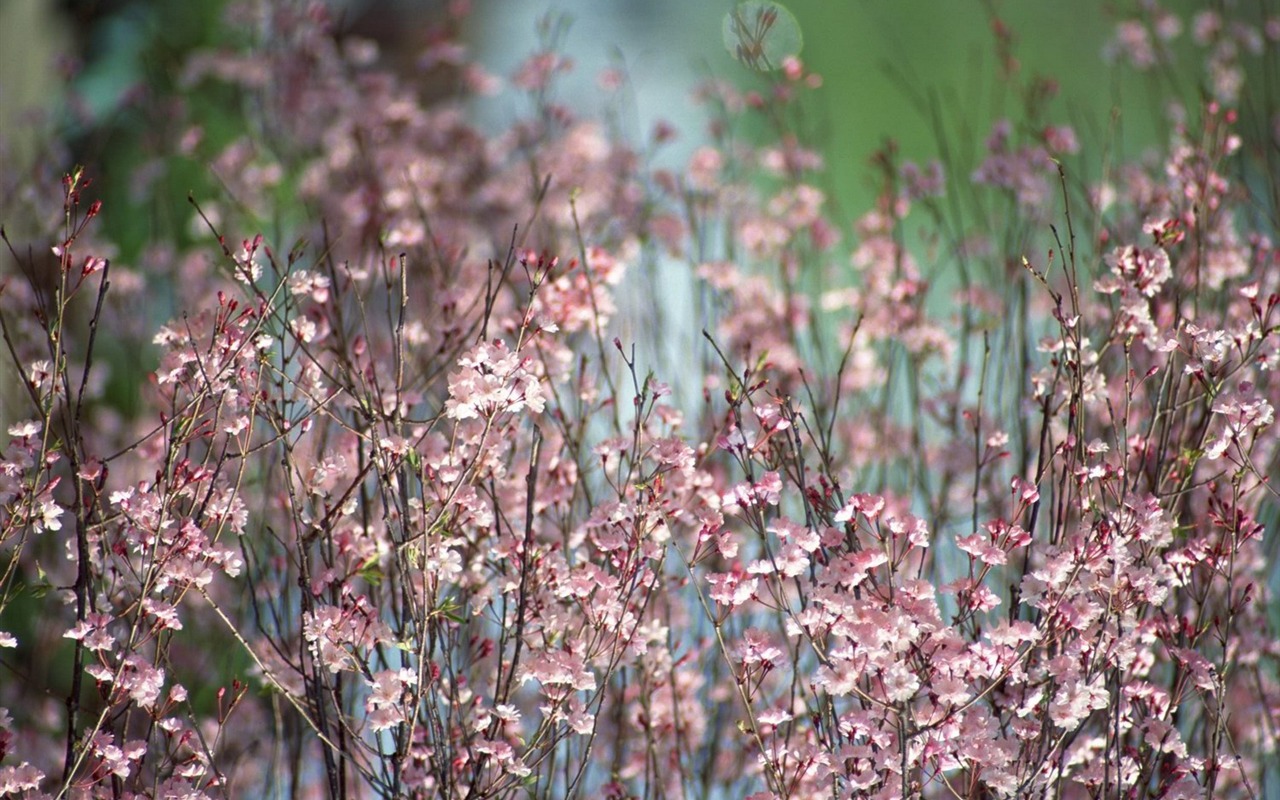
[399, 512]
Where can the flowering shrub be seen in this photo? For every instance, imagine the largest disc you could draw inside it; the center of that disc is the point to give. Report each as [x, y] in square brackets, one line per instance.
[404, 516]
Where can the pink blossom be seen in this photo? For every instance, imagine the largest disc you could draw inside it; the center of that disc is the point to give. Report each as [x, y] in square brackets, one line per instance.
[21, 430]
[559, 668]
[22, 778]
[92, 631]
[869, 506]
[492, 381]
[1074, 701]
[731, 589]
[900, 683]
[1132, 43]
[981, 547]
[536, 72]
[755, 648]
[384, 702]
[704, 169]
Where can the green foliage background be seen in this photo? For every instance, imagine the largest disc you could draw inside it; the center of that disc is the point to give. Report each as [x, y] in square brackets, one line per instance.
[882, 63]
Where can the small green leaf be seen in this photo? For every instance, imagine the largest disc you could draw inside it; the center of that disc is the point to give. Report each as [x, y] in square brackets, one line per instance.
[371, 572]
[448, 609]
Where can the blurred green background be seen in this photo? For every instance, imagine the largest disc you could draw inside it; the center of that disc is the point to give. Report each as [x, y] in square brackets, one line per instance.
[878, 60]
[899, 70]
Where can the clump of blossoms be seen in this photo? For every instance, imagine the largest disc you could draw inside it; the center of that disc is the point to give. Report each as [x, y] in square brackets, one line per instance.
[403, 514]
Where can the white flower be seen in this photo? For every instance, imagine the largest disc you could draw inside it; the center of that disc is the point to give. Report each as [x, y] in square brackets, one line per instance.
[24, 429]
